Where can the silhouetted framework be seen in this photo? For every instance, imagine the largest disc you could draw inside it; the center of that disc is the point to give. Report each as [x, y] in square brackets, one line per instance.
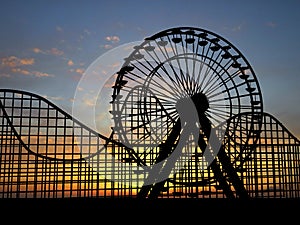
[179, 89]
[40, 158]
[45, 153]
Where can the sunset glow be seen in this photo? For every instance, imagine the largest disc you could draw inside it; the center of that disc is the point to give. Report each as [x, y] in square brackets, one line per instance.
[96, 97]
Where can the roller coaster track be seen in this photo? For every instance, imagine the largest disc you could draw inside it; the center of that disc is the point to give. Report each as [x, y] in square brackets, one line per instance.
[46, 153]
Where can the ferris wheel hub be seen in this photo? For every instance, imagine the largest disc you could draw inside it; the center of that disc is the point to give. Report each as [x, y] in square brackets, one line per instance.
[201, 102]
[185, 106]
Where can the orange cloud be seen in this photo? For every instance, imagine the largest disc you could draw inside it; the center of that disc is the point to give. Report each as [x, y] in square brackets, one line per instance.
[37, 50]
[70, 63]
[13, 61]
[27, 61]
[14, 65]
[21, 71]
[79, 70]
[30, 73]
[10, 61]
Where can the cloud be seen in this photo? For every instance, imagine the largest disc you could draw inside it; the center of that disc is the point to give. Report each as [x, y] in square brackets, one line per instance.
[31, 73]
[10, 61]
[79, 70]
[41, 74]
[52, 51]
[13, 64]
[55, 51]
[89, 102]
[37, 50]
[70, 63]
[13, 61]
[115, 65]
[113, 39]
[21, 71]
[109, 83]
[27, 61]
[107, 46]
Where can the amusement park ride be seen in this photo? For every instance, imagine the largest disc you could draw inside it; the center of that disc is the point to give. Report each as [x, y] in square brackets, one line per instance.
[188, 123]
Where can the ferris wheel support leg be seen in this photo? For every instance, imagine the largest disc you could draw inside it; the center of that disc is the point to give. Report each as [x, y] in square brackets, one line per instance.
[221, 179]
[144, 191]
[215, 167]
[224, 161]
[165, 151]
[233, 176]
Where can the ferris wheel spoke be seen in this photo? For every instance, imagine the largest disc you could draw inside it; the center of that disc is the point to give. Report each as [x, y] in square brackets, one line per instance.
[234, 87]
[166, 97]
[210, 83]
[132, 76]
[194, 64]
[232, 76]
[218, 75]
[216, 82]
[161, 84]
[205, 75]
[168, 114]
[177, 82]
[218, 85]
[216, 61]
[220, 114]
[140, 66]
[215, 85]
[175, 50]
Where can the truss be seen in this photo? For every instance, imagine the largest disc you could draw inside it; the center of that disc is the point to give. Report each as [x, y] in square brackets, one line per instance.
[41, 157]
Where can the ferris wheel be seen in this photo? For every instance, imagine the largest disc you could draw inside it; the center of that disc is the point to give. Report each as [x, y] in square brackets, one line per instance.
[190, 91]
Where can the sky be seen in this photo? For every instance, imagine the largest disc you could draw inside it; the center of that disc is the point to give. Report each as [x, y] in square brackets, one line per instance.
[47, 46]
